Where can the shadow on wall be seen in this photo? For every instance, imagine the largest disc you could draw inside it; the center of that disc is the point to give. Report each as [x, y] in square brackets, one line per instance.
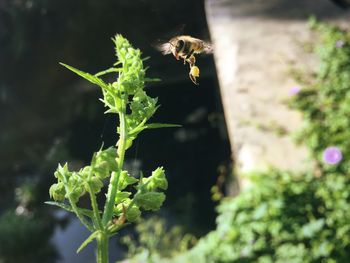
[285, 9]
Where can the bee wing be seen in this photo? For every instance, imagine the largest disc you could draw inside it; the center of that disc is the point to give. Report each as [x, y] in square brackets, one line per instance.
[163, 45]
[165, 48]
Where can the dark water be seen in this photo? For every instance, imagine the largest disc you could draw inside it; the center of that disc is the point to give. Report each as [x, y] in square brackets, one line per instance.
[49, 115]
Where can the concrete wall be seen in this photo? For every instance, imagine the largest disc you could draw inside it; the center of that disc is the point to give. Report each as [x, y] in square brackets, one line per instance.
[256, 43]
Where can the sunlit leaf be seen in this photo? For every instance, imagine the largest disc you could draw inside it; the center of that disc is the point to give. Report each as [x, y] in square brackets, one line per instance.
[161, 125]
[91, 78]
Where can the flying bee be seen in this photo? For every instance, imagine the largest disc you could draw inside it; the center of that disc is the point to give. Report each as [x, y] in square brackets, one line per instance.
[186, 47]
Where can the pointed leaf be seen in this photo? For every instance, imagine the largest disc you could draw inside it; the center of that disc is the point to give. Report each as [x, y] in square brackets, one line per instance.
[62, 205]
[68, 208]
[140, 127]
[110, 70]
[88, 240]
[93, 79]
[160, 125]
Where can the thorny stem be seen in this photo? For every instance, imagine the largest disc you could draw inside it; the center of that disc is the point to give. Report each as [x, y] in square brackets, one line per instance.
[97, 218]
[102, 248]
[102, 240]
[113, 185]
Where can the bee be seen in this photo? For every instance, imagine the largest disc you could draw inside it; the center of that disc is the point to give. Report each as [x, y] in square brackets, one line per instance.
[186, 47]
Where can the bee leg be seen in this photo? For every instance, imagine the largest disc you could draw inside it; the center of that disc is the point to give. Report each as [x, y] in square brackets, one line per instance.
[190, 58]
[193, 78]
[192, 61]
[184, 58]
[190, 54]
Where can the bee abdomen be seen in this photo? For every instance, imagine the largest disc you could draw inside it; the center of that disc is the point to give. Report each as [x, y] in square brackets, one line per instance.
[198, 47]
[187, 48]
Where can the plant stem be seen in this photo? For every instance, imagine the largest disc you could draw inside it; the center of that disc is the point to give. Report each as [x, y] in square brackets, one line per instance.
[102, 248]
[113, 185]
[97, 218]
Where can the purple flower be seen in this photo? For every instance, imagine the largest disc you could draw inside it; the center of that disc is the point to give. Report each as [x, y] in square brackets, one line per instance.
[340, 43]
[294, 90]
[332, 155]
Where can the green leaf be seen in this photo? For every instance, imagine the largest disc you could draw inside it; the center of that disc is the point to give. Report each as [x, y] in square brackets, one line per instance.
[125, 180]
[62, 205]
[161, 125]
[95, 183]
[110, 70]
[62, 173]
[133, 213]
[156, 180]
[121, 196]
[57, 191]
[76, 190]
[105, 162]
[312, 228]
[119, 208]
[140, 127]
[91, 78]
[88, 240]
[150, 200]
[68, 208]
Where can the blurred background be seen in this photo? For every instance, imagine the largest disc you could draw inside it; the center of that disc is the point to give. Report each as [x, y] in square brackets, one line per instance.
[51, 116]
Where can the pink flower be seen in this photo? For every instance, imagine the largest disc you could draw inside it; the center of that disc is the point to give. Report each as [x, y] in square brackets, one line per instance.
[332, 155]
[294, 90]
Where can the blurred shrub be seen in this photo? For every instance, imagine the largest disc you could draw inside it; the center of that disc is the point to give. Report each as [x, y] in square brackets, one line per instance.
[325, 99]
[282, 218]
[156, 240]
[25, 239]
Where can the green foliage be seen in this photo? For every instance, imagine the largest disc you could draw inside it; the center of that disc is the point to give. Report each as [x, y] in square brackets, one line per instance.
[282, 218]
[325, 98]
[16, 239]
[127, 195]
[156, 241]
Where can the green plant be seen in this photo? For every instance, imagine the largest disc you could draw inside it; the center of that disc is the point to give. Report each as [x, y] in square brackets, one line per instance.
[155, 240]
[127, 98]
[283, 217]
[16, 238]
[324, 99]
